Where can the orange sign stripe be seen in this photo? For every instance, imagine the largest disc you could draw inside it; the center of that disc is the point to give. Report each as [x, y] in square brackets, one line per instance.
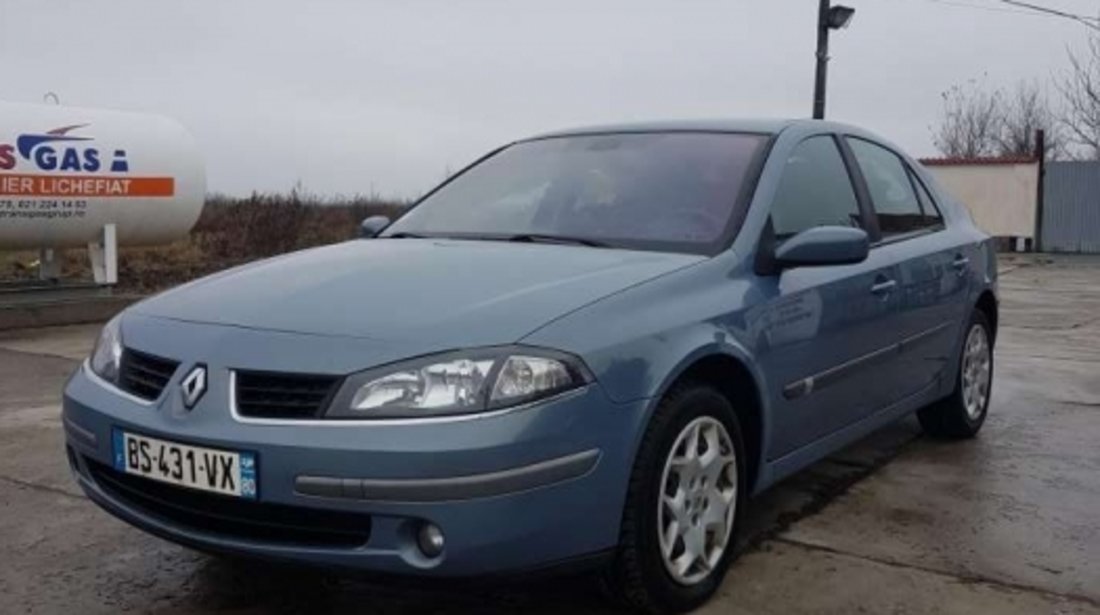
[101, 186]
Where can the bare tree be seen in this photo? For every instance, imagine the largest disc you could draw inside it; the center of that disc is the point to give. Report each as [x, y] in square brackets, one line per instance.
[1081, 90]
[1027, 110]
[978, 120]
[970, 121]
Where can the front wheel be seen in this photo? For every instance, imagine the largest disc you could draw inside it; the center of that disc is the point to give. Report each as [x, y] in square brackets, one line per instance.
[683, 504]
[963, 413]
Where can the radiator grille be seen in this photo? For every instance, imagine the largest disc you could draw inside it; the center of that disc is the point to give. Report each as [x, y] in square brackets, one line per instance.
[283, 396]
[144, 375]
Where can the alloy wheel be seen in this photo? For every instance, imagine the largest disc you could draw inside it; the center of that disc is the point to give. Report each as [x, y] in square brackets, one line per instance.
[698, 500]
[976, 371]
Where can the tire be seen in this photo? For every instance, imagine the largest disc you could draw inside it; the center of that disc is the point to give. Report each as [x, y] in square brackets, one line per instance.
[639, 575]
[956, 416]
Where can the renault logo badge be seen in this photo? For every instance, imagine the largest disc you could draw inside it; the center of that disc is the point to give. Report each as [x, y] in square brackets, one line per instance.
[193, 386]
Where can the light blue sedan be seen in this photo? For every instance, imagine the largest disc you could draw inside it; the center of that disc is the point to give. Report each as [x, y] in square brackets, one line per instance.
[589, 348]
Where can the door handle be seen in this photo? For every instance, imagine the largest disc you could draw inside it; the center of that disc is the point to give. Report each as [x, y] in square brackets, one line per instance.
[960, 264]
[883, 286]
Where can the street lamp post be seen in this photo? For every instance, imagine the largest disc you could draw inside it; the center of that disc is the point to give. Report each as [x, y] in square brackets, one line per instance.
[828, 18]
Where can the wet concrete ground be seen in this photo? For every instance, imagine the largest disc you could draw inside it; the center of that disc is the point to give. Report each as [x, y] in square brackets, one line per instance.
[1006, 523]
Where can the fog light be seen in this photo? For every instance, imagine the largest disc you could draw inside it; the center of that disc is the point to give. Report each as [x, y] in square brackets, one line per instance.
[430, 540]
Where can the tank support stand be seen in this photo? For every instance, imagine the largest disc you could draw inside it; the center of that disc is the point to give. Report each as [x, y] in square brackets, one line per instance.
[104, 256]
[49, 266]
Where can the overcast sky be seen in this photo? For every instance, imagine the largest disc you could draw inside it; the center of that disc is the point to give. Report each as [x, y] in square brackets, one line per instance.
[386, 96]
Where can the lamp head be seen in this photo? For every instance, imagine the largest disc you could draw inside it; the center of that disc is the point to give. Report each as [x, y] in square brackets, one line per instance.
[839, 17]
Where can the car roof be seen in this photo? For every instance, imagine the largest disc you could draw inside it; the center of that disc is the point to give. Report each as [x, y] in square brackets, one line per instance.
[759, 125]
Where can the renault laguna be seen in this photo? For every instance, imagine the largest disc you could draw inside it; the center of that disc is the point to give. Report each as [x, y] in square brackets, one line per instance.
[589, 348]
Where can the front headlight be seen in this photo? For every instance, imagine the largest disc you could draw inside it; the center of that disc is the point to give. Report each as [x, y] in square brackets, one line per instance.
[107, 354]
[458, 383]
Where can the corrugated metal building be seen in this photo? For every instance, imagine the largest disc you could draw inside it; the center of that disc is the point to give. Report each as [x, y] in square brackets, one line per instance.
[1071, 207]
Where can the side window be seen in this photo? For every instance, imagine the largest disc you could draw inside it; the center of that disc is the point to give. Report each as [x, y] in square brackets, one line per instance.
[897, 206]
[815, 190]
[928, 206]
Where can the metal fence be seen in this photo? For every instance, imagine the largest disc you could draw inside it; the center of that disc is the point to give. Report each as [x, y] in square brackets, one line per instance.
[1071, 207]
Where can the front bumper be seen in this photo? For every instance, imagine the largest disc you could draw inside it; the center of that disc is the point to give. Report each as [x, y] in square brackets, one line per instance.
[513, 491]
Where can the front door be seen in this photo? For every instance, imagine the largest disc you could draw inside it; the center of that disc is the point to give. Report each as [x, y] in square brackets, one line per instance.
[824, 334]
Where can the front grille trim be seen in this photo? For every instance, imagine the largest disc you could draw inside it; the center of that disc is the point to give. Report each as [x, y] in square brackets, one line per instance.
[232, 518]
[145, 375]
[281, 396]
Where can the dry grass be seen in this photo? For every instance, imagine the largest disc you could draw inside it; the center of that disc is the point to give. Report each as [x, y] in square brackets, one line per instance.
[229, 232]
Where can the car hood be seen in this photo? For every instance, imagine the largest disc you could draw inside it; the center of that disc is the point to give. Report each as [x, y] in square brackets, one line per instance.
[453, 293]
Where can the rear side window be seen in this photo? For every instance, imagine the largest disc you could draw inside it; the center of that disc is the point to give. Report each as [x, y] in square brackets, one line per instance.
[928, 206]
[814, 190]
[893, 192]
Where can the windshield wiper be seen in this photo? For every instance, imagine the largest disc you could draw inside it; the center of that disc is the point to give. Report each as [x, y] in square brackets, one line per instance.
[405, 235]
[542, 238]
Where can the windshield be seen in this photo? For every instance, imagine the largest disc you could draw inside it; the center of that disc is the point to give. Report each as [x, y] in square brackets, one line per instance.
[664, 191]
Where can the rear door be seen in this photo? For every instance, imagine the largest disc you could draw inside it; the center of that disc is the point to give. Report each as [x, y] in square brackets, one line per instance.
[824, 333]
[911, 234]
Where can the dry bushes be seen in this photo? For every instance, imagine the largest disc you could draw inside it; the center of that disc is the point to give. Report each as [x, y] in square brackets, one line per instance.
[231, 231]
[266, 225]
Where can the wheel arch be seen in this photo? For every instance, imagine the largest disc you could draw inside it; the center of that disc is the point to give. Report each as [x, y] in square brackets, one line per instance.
[728, 370]
[987, 305]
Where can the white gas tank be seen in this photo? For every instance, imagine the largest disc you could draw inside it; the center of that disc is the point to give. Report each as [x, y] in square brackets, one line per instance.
[66, 172]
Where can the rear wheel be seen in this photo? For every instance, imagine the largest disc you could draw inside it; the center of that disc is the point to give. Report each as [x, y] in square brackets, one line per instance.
[962, 413]
[683, 504]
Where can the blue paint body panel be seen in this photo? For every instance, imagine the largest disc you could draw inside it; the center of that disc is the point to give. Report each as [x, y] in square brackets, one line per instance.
[828, 359]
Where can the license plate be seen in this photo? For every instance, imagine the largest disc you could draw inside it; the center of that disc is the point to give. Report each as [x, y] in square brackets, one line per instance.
[195, 467]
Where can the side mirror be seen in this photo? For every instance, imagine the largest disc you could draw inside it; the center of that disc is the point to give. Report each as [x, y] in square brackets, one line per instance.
[373, 225]
[824, 245]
